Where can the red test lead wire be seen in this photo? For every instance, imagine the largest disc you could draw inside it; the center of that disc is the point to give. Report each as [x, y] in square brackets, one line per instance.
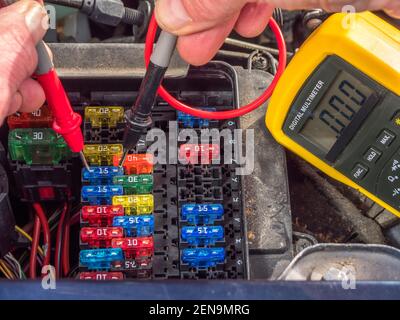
[66, 122]
[220, 115]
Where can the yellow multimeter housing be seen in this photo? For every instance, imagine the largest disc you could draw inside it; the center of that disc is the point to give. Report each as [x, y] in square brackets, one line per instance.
[338, 105]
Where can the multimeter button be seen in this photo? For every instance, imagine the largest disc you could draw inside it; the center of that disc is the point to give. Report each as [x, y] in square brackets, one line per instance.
[359, 172]
[386, 138]
[372, 155]
[396, 119]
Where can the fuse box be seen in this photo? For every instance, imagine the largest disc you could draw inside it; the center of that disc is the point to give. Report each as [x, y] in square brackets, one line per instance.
[147, 220]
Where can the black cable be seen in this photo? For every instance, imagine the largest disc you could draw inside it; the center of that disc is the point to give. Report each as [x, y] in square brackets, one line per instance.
[109, 12]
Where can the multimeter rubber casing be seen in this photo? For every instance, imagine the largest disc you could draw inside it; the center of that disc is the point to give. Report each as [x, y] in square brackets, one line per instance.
[338, 105]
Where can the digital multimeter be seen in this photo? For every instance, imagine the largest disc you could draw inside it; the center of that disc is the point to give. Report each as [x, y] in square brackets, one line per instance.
[338, 105]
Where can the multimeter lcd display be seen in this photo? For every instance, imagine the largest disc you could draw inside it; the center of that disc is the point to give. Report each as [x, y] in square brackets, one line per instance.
[343, 100]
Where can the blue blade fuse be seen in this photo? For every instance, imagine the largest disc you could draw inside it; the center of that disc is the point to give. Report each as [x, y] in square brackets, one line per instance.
[203, 257]
[202, 236]
[190, 121]
[135, 226]
[101, 175]
[98, 195]
[202, 213]
[100, 259]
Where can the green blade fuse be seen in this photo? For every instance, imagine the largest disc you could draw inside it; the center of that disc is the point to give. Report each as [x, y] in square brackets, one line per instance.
[37, 146]
[135, 184]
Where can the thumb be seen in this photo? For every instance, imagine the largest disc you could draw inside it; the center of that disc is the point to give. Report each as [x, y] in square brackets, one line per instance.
[22, 25]
[184, 17]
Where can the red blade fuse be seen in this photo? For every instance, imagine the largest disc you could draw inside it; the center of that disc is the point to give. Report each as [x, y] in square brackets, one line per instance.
[141, 249]
[100, 237]
[66, 122]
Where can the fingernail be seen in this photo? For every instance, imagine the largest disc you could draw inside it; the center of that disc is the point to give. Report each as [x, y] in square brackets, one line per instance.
[36, 19]
[173, 15]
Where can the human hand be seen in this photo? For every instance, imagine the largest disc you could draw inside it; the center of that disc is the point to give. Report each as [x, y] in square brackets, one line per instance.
[203, 25]
[22, 26]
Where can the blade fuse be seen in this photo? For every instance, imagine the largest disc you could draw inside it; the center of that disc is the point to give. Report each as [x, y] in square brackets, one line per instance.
[100, 259]
[108, 117]
[133, 268]
[37, 146]
[135, 226]
[135, 184]
[42, 118]
[135, 204]
[98, 195]
[100, 237]
[102, 154]
[136, 163]
[202, 236]
[101, 175]
[198, 153]
[190, 121]
[101, 276]
[203, 257]
[202, 213]
[101, 216]
[141, 249]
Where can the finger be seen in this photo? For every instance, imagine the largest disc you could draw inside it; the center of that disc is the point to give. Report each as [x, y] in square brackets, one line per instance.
[393, 13]
[19, 33]
[199, 48]
[184, 17]
[333, 5]
[16, 102]
[32, 13]
[253, 19]
[29, 97]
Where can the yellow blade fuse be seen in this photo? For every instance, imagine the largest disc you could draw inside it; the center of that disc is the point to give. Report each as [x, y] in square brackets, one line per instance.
[102, 154]
[108, 117]
[135, 204]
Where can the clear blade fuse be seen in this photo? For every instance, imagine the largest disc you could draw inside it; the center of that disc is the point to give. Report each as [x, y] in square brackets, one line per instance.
[37, 146]
[100, 237]
[132, 268]
[108, 117]
[202, 213]
[101, 175]
[98, 195]
[141, 249]
[100, 259]
[202, 236]
[135, 204]
[135, 184]
[203, 257]
[101, 216]
[135, 226]
[102, 154]
[136, 163]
